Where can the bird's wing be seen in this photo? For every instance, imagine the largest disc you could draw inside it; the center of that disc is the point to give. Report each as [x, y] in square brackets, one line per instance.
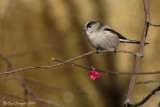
[114, 32]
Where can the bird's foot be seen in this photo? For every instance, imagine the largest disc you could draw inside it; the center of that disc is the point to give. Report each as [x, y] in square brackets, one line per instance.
[96, 51]
[115, 50]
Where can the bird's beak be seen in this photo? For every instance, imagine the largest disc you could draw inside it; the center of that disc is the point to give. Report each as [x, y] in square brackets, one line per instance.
[84, 29]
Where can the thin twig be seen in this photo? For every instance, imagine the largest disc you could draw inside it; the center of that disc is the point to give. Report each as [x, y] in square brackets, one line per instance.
[107, 72]
[26, 95]
[146, 98]
[6, 60]
[154, 25]
[35, 97]
[27, 90]
[75, 58]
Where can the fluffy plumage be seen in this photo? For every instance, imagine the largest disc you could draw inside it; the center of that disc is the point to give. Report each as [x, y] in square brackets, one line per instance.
[103, 37]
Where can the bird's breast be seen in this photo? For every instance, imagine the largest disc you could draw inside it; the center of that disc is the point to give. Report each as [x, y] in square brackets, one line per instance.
[104, 40]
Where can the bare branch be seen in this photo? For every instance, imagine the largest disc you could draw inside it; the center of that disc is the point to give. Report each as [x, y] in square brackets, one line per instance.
[139, 53]
[154, 25]
[146, 98]
[75, 58]
[107, 72]
[27, 90]
[35, 97]
[6, 60]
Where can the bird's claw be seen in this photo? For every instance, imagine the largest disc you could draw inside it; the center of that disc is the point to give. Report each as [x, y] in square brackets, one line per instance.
[115, 50]
[96, 51]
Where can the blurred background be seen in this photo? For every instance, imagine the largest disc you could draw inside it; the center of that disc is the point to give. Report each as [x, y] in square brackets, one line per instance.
[34, 31]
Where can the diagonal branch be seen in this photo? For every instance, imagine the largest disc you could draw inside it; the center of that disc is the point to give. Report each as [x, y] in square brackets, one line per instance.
[139, 53]
[146, 98]
[27, 90]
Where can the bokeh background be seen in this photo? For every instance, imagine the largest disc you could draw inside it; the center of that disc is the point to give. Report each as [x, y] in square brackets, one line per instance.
[34, 31]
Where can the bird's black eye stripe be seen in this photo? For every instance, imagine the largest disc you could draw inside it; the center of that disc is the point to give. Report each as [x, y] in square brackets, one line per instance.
[89, 25]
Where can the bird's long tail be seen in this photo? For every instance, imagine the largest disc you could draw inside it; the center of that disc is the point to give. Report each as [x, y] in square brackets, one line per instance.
[130, 41]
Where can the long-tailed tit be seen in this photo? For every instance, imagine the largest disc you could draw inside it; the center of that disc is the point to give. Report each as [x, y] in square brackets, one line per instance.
[103, 37]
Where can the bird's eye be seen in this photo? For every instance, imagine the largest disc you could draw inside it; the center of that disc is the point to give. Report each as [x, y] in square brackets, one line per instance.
[89, 26]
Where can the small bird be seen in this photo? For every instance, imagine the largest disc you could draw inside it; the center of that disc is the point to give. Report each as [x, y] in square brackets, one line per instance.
[103, 37]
